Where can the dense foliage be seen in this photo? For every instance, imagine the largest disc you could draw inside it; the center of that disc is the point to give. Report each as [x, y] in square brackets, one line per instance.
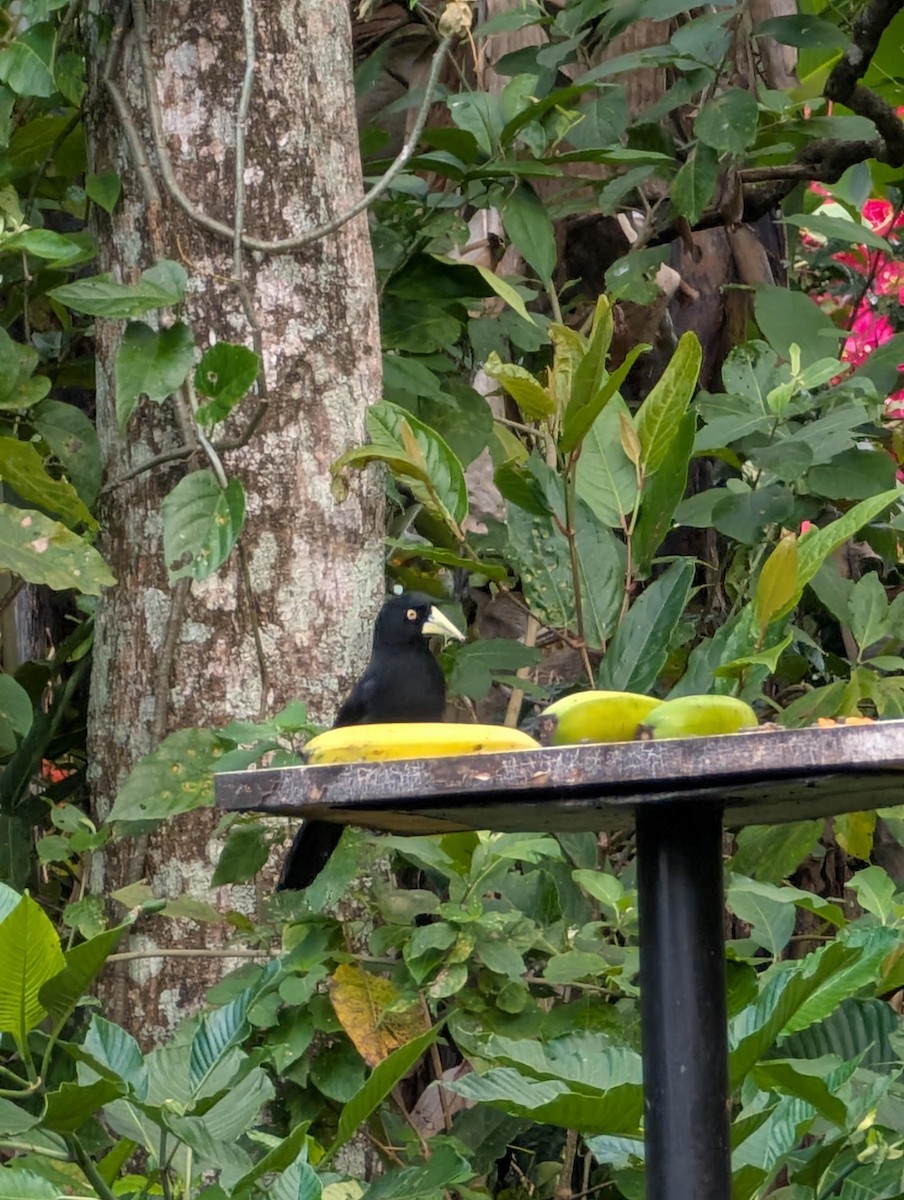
[516, 955]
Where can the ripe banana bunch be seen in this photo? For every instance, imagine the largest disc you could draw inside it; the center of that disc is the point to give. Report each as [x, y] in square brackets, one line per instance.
[697, 716]
[426, 739]
[594, 717]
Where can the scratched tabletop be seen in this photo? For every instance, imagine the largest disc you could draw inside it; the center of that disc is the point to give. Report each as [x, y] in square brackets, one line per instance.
[759, 777]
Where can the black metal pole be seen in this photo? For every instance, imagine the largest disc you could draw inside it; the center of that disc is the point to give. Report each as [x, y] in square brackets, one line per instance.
[682, 1004]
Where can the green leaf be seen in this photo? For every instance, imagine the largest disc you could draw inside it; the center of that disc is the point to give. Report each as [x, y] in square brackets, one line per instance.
[659, 417]
[787, 317]
[773, 852]
[817, 544]
[633, 276]
[501, 287]
[528, 393]
[42, 243]
[17, 363]
[115, 1054]
[728, 123]
[639, 648]
[44, 551]
[61, 994]
[528, 224]
[662, 493]
[872, 945]
[794, 1079]
[22, 467]
[176, 777]
[225, 373]
[605, 478]
[431, 1180]
[72, 437]
[695, 184]
[854, 474]
[25, 64]
[857, 1029]
[868, 608]
[840, 229]
[382, 1079]
[151, 362]
[71, 1105]
[771, 921]
[419, 456]
[15, 706]
[475, 665]
[875, 891]
[201, 524]
[21, 1184]
[579, 418]
[103, 189]
[804, 30]
[99, 296]
[245, 852]
[31, 954]
[615, 1109]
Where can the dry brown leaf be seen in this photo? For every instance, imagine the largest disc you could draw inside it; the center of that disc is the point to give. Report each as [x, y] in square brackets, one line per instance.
[371, 1011]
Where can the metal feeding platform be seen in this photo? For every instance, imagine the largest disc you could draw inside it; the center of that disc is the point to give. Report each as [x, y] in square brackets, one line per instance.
[679, 794]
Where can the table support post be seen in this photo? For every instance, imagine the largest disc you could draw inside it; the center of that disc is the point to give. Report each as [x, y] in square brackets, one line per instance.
[683, 1015]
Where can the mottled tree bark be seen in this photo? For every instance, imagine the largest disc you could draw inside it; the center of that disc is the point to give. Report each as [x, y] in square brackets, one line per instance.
[315, 566]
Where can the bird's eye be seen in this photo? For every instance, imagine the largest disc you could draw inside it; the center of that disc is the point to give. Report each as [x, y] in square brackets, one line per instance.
[411, 614]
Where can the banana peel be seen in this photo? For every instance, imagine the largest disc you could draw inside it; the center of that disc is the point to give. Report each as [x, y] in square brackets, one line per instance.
[595, 716]
[697, 716]
[422, 739]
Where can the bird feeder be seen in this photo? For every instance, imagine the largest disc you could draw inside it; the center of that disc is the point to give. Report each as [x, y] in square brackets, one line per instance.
[679, 794]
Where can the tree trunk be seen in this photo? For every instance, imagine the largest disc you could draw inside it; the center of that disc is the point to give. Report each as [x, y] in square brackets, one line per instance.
[298, 625]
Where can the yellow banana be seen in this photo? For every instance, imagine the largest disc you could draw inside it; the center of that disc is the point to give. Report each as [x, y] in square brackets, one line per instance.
[594, 717]
[422, 739]
[698, 716]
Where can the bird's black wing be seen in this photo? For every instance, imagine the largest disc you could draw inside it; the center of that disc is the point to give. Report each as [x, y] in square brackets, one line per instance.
[356, 708]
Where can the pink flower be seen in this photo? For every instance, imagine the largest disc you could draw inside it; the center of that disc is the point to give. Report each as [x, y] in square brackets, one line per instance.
[879, 215]
[857, 259]
[805, 527]
[889, 278]
[868, 331]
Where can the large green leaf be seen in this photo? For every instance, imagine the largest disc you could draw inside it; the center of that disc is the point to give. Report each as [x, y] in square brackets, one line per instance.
[527, 222]
[771, 922]
[659, 417]
[44, 551]
[605, 477]
[176, 777]
[31, 954]
[112, 1053]
[728, 122]
[16, 709]
[583, 411]
[26, 1185]
[857, 1029]
[419, 456]
[22, 467]
[61, 994]
[152, 363]
[615, 1109]
[639, 648]
[772, 852]
[25, 64]
[382, 1079]
[662, 493]
[100, 296]
[431, 1180]
[787, 317]
[18, 389]
[695, 183]
[201, 524]
[72, 437]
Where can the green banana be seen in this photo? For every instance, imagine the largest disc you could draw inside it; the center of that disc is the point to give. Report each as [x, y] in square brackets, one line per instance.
[594, 717]
[697, 716]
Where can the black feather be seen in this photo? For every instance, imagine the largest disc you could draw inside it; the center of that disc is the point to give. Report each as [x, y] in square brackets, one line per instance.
[402, 682]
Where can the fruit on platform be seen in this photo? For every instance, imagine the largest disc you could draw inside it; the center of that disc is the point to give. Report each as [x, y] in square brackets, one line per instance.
[422, 739]
[697, 716]
[594, 717]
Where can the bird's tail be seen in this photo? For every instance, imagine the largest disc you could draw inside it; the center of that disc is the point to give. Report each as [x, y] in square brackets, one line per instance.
[311, 849]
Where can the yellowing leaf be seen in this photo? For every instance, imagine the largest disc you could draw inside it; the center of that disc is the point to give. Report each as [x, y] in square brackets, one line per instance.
[854, 833]
[628, 437]
[777, 587]
[372, 1012]
[525, 389]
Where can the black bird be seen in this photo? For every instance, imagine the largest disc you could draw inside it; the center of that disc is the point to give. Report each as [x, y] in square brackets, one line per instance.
[403, 682]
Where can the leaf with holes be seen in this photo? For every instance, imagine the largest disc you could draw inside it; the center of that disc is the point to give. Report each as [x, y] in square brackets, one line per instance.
[44, 551]
[23, 469]
[226, 373]
[177, 777]
[201, 523]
